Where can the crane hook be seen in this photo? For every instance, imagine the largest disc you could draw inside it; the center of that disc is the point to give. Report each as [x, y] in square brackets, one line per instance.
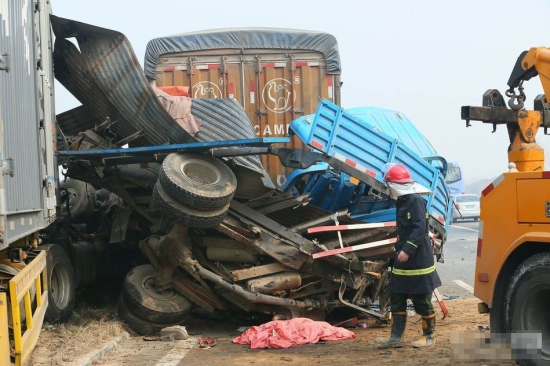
[510, 93]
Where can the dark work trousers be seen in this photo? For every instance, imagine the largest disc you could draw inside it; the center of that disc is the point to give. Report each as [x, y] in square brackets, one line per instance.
[422, 303]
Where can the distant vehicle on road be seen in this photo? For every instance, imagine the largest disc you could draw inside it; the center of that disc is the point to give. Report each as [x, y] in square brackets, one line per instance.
[454, 179]
[466, 207]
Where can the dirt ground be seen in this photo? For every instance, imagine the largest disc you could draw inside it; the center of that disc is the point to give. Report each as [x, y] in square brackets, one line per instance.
[463, 315]
[87, 330]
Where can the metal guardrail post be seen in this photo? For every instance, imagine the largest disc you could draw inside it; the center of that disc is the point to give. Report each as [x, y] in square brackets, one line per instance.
[4, 335]
[20, 285]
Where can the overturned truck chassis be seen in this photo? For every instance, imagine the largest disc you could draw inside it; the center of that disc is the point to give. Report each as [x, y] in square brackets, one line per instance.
[260, 257]
[285, 281]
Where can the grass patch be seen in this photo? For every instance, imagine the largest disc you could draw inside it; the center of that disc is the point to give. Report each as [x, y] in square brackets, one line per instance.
[88, 329]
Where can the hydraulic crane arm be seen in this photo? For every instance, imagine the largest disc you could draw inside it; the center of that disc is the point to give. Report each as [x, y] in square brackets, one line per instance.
[522, 124]
[529, 64]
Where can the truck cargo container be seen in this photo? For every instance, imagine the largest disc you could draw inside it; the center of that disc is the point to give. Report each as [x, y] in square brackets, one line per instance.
[276, 75]
[28, 170]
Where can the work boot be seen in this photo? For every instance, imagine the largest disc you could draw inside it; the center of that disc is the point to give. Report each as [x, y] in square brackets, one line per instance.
[398, 323]
[428, 332]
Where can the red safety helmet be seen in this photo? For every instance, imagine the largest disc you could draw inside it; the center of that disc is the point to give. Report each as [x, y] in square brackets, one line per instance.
[397, 173]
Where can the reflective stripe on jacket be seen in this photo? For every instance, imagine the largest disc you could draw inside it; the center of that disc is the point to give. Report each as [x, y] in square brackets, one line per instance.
[418, 274]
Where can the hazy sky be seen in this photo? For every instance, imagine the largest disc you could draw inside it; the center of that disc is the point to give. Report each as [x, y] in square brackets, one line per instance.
[423, 58]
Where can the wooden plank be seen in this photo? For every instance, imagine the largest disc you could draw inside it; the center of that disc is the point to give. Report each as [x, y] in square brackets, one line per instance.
[244, 274]
[353, 248]
[322, 229]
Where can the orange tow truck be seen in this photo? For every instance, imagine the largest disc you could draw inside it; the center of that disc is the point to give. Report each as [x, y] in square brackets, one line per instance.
[512, 276]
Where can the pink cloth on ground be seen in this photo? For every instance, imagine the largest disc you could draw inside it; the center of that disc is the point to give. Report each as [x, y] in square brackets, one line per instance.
[289, 333]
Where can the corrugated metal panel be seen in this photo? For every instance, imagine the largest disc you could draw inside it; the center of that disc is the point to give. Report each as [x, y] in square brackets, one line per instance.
[76, 120]
[107, 78]
[27, 113]
[19, 108]
[274, 88]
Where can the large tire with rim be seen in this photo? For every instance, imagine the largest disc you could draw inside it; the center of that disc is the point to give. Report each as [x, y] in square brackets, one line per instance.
[138, 325]
[527, 303]
[157, 307]
[78, 199]
[61, 284]
[197, 180]
[184, 215]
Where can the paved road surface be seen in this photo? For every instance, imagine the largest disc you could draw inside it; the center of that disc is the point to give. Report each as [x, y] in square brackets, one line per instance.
[457, 273]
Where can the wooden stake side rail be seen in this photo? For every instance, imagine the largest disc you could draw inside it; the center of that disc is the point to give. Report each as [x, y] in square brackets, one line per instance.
[354, 248]
[322, 229]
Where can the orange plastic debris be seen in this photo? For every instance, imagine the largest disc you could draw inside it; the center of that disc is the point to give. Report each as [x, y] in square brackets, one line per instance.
[177, 91]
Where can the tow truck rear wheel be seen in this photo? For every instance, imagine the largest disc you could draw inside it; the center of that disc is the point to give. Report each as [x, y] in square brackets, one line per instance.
[528, 308]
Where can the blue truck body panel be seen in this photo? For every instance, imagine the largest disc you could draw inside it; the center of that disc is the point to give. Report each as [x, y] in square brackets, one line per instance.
[396, 125]
[362, 144]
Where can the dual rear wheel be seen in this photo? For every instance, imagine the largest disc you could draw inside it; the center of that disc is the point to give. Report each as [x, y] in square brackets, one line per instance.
[194, 189]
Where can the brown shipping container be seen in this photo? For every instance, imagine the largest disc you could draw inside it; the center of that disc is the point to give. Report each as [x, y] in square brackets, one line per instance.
[274, 86]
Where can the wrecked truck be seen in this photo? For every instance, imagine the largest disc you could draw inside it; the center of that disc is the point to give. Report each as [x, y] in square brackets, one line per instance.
[188, 207]
[159, 212]
[212, 248]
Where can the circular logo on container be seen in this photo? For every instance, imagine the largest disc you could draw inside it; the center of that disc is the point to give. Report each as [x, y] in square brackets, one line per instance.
[277, 95]
[206, 89]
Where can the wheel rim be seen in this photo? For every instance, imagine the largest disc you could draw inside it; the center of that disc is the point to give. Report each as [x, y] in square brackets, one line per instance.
[60, 286]
[149, 288]
[72, 196]
[200, 172]
[535, 316]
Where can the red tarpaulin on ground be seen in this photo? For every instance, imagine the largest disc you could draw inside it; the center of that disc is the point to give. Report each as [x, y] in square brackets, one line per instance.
[289, 333]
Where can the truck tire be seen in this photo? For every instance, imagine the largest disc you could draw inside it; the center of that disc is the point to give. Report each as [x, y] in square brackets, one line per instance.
[162, 308]
[138, 325]
[184, 215]
[80, 197]
[528, 303]
[61, 284]
[197, 180]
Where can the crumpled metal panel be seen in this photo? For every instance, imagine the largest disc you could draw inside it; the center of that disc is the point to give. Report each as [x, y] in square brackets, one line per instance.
[76, 120]
[105, 76]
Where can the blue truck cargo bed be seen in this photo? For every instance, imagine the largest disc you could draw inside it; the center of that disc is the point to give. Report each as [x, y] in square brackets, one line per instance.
[362, 145]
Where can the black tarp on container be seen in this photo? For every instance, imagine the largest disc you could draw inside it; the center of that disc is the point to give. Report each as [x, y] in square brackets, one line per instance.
[241, 39]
